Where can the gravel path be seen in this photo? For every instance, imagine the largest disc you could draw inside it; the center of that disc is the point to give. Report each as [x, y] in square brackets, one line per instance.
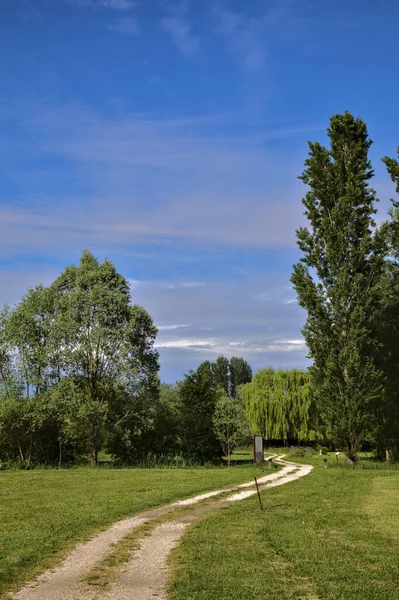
[145, 574]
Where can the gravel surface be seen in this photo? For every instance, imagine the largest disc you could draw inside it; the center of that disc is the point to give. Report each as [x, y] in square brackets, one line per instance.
[145, 574]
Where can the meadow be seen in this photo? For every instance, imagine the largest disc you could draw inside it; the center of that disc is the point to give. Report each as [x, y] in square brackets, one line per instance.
[44, 513]
[333, 535]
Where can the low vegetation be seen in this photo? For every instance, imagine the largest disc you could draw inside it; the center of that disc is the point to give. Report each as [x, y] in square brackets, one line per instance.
[312, 541]
[43, 513]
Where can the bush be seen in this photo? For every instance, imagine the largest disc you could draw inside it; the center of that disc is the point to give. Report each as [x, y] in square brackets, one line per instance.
[301, 452]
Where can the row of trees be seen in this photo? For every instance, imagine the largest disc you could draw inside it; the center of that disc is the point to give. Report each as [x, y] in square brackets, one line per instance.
[211, 407]
[203, 415]
[79, 373]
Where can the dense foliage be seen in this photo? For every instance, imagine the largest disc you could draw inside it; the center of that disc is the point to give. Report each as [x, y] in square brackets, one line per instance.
[200, 394]
[345, 281]
[279, 405]
[78, 368]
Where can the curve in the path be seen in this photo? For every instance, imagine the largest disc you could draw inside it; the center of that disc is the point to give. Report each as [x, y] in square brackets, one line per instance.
[65, 581]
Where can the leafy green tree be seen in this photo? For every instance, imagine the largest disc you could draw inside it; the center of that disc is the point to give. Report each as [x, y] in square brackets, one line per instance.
[220, 371]
[22, 428]
[107, 346]
[240, 373]
[229, 423]
[28, 328]
[198, 397]
[337, 280]
[388, 331]
[10, 386]
[164, 437]
[85, 357]
[280, 406]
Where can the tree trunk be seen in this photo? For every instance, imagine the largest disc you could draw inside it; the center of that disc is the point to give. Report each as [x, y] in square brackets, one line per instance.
[59, 455]
[21, 455]
[94, 455]
[352, 451]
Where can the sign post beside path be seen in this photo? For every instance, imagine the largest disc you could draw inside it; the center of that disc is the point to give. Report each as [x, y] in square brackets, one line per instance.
[258, 449]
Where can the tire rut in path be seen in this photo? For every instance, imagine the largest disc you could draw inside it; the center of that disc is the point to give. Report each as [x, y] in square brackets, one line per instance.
[145, 573]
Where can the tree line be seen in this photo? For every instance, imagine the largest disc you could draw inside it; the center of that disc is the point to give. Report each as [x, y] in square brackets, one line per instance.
[79, 374]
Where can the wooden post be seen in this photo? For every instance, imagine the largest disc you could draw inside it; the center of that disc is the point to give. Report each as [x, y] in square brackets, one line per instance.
[257, 489]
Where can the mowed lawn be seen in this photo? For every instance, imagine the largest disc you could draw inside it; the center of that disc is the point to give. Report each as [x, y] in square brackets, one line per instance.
[332, 535]
[43, 513]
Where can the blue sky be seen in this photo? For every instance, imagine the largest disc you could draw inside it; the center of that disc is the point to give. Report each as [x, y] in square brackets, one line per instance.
[168, 137]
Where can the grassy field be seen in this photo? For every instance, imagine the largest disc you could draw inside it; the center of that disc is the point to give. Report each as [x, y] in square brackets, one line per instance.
[44, 513]
[333, 535]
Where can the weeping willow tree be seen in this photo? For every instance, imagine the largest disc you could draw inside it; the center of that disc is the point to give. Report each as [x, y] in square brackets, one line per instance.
[279, 405]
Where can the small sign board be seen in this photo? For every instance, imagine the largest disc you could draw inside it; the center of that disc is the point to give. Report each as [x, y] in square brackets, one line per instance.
[258, 449]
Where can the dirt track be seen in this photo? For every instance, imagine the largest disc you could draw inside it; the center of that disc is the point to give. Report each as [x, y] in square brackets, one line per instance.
[144, 576]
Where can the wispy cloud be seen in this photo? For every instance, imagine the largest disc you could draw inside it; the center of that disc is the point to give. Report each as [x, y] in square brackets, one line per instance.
[120, 5]
[244, 347]
[180, 31]
[243, 36]
[171, 327]
[161, 181]
[128, 26]
[225, 319]
[29, 14]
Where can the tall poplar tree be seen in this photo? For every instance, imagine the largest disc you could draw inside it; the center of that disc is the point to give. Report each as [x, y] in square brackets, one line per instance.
[388, 429]
[337, 280]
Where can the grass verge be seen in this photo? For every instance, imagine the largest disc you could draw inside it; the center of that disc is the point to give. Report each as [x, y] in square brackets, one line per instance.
[43, 514]
[332, 535]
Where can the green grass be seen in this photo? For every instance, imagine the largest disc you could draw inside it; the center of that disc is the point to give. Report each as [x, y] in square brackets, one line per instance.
[333, 535]
[44, 513]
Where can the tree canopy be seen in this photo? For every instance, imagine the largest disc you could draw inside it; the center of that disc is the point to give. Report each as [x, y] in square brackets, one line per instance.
[338, 281]
[81, 343]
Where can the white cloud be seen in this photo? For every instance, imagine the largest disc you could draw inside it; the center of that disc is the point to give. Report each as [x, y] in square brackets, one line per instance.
[224, 318]
[152, 181]
[188, 344]
[171, 327]
[119, 5]
[262, 297]
[181, 33]
[128, 26]
[244, 37]
[244, 347]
